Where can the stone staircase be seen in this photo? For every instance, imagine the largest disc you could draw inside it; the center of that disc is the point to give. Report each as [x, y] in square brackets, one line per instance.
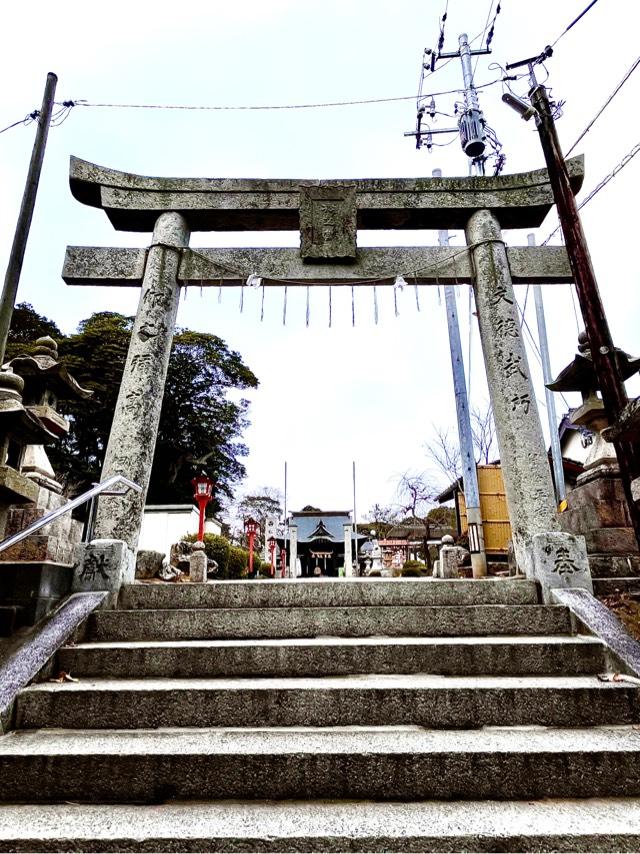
[359, 715]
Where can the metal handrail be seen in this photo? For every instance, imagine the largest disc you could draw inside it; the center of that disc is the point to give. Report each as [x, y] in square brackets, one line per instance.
[71, 505]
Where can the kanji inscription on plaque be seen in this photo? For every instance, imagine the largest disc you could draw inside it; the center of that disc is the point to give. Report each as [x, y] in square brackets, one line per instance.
[328, 222]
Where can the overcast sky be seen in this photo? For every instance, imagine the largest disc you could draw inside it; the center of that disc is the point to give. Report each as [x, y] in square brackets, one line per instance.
[328, 396]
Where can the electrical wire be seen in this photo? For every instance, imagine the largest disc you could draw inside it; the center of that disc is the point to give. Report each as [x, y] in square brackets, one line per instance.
[27, 120]
[309, 106]
[486, 27]
[575, 21]
[603, 183]
[605, 105]
[442, 26]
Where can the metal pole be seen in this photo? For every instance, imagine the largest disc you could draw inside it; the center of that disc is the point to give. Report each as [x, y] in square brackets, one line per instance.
[355, 524]
[16, 257]
[614, 395]
[556, 453]
[463, 417]
[470, 94]
[285, 493]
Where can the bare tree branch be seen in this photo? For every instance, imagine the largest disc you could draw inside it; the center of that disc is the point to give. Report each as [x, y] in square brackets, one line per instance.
[445, 453]
[444, 449]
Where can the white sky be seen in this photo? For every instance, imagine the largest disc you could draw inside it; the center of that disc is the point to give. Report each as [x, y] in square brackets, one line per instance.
[327, 396]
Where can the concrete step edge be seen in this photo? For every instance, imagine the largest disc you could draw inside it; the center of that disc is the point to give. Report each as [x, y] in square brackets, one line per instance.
[313, 741]
[562, 825]
[351, 682]
[397, 642]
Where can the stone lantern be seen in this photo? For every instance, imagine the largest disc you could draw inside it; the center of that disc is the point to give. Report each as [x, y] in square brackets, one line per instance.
[580, 376]
[19, 429]
[36, 572]
[597, 507]
[45, 382]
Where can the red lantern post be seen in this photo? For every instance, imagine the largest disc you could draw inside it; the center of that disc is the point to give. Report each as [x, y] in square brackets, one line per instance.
[251, 528]
[202, 493]
[272, 554]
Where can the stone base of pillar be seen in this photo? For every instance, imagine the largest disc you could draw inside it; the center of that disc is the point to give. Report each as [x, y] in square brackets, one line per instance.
[198, 564]
[559, 560]
[103, 565]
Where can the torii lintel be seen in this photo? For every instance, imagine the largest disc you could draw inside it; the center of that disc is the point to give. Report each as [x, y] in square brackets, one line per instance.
[134, 202]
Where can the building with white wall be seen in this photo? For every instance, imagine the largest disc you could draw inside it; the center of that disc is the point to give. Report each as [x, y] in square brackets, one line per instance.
[165, 524]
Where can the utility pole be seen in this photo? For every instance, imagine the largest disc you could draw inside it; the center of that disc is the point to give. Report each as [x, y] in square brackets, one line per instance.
[471, 123]
[463, 417]
[16, 257]
[614, 395]
[556, 453]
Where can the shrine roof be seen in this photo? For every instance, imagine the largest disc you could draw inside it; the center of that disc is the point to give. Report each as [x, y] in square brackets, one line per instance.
[134, 202]
[333, 522]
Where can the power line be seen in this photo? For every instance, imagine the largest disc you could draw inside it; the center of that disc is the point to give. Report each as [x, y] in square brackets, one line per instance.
[605, 105]
[219, 107]
[491, 29]
[603, 183]
[575, 21]
[31, 117]
[442, 26]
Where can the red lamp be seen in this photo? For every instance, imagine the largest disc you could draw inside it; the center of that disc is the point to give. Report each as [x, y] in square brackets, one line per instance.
[271, 542]
[251, 528]
[202, 494]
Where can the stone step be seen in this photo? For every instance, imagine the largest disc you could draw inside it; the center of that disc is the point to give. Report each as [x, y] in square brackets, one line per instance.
[374, 700]
[611, 824]
[11, 619]
[614, 566]
[615, 541]
[396, 621]
[288, 593]
[511, 655]
[385, 763]
[608, 586]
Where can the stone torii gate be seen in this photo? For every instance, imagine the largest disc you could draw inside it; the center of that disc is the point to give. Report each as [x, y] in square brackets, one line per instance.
[328, 215]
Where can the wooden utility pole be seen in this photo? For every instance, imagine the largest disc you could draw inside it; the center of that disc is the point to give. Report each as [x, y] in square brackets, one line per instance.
[610, 381]
[14, 267]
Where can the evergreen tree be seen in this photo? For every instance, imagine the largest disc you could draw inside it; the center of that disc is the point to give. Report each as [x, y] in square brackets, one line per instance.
[200, 428]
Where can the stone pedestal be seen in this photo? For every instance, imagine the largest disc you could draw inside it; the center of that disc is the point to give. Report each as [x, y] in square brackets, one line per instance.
[198, 563]
[134, 430]
[54, 542]
[103, 565]
[560, 561]
[597, 509]
[525, 467]
[448, 562]
[450, 559]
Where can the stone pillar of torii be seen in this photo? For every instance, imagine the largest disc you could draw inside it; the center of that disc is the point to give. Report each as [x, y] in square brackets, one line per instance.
[328, 215]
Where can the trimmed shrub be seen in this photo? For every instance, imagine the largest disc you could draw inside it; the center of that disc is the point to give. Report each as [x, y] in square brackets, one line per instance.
[412, 569]
[238, 562]
[411, 572]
